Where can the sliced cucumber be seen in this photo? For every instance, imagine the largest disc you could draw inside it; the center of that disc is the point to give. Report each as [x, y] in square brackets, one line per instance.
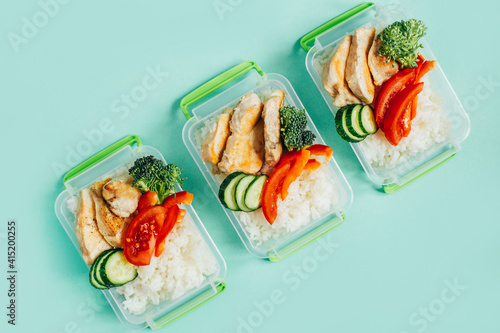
[341, 125]
[241, 189]
[352, 121]
[228, 188]
[94, 277]
[366, 119]
[253, 195]
[115, 270]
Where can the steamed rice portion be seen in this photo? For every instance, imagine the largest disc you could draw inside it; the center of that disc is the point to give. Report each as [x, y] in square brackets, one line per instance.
[431, 126]
[183, 266]
[309, 198]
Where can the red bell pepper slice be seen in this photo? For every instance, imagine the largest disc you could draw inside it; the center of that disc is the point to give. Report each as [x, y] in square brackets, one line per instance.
[296, 169]
[426, 66]
[141, 235]
[271, 190]
[392, 121]
[170, 220]
[321, 150]
[312, 165]
[414, 107]
[388, 91]
[150, 198]
[178, 198]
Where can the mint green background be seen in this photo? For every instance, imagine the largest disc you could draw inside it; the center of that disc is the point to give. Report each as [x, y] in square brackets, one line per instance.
[393, 253]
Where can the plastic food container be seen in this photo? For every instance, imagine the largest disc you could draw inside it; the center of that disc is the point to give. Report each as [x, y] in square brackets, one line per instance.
[114, 157]
[326, 37]
[225, 90]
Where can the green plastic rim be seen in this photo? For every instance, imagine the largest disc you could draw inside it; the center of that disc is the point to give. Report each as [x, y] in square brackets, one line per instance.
[309, 37]
[187, 308]
[216, 83]
[309, 238]
[106, 152]
[393, 188]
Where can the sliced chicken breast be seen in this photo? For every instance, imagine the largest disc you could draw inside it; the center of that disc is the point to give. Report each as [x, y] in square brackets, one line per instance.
[112, 227]
[91, 242]
[214, 144]
[358, 73]
[244, 148]
[334, 79]
[381, 69]
[121, 196]
[273, 147]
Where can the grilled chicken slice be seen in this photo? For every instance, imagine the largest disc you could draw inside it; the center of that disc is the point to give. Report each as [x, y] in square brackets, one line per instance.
[381, 69]
[121, 196]
[244, 148]
[358, 74]
[89, 238]
[112, 227]
[334, 80]
[272, 143]
[214, 144]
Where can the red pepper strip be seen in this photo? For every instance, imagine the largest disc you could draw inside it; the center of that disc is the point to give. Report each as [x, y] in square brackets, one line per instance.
[295, 171]
[392, 121]
[150, 198]
[141, 235]
[414, 107]
[312, 165]
[177, 198]
[388, 91]
[270, 192]
[289, 157]
[172, 215]
[321, 150]
[406, 120]
[420, 62]
[427, 66]
[180, 217]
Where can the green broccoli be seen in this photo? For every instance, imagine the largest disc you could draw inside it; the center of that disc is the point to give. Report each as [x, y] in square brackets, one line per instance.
[150, 174]
[293, 128]
[400, 41]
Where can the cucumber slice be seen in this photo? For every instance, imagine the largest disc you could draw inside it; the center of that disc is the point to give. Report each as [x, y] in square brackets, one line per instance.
[115, 270]
[94, 277]
[228, 188]
[240, 192]
[341, 125]
[253, 195]
[366, 120]
[352, 121]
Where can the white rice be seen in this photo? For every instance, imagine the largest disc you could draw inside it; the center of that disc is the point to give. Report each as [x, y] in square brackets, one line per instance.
[431, 126]
[310, 197]
[183, 266]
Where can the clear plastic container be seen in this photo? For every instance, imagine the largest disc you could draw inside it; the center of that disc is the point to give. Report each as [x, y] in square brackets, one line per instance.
[328, 36]
[106, 162]
[226, 90]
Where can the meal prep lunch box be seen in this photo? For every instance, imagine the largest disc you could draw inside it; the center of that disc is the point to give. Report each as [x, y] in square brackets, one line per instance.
[326, 37]
[225, 90]
[116, 156]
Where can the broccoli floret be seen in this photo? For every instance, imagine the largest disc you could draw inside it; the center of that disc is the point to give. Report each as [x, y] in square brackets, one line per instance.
[150, 174]
[400, 41]
[293, 128]
[308, 138]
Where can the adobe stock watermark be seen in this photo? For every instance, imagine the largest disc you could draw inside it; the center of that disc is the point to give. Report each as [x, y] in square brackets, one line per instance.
[122, 108]
[429, 313]
[222, 7]
[483, 91]
[292, 279]
[31, 26]
[86, 313]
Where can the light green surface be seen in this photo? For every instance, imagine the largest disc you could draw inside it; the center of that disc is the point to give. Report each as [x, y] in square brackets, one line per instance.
[374, 273]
